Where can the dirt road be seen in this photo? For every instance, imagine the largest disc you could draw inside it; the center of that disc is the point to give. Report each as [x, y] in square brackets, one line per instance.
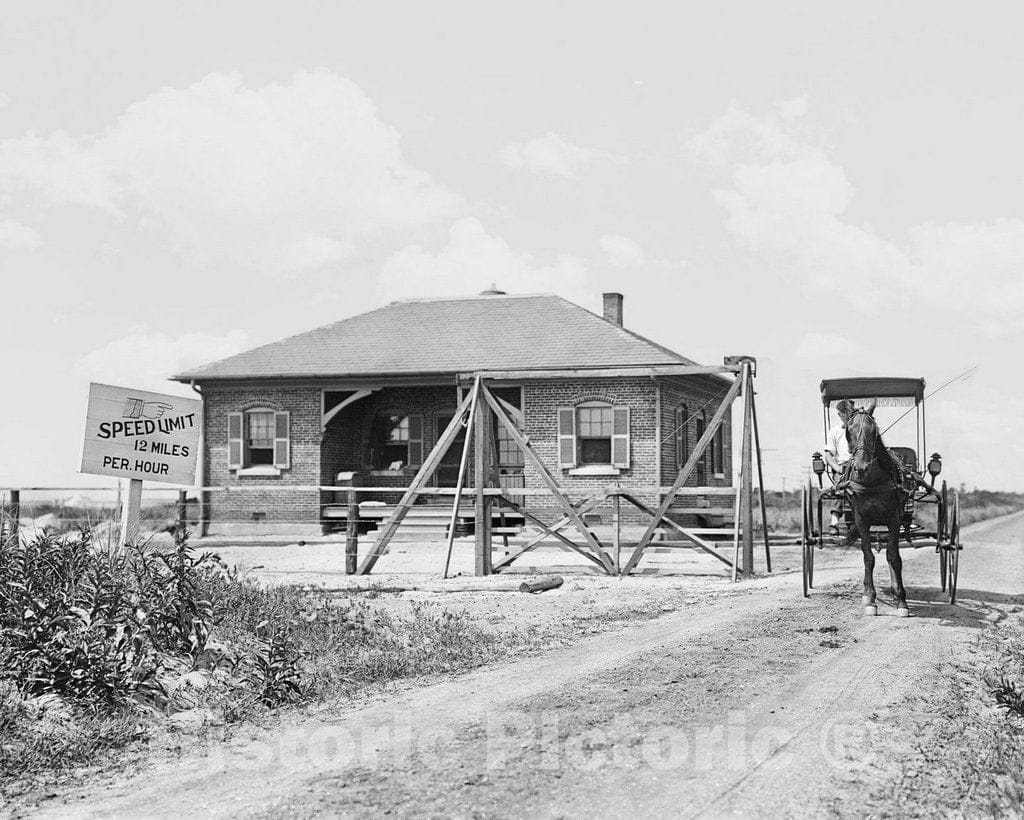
[758, 703]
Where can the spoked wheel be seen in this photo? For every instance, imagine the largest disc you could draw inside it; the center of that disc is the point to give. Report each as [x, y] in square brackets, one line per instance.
[810, 533]
[954, 547]
[805, 539]
[942, 531]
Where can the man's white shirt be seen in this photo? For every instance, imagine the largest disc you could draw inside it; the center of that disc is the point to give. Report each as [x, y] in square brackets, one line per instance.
[836, 443]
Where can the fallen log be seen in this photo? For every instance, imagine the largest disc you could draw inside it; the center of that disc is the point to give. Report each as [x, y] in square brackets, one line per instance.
[541, 584]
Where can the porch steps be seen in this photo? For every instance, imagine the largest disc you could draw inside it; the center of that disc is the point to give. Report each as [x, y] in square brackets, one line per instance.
[430, 522]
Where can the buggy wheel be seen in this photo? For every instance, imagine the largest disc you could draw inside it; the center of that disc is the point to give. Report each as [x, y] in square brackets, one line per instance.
[805, 539]
[954, 548]
[942, 534]
[810, 534]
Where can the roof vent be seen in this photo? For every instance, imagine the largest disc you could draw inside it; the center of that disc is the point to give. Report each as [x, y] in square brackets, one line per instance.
[493, 291]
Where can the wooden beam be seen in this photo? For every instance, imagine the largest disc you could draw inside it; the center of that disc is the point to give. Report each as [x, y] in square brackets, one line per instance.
[727, 511]
[548, 480]
[533, 543]
[736, 538]
[760, 487]
[582, 508]
[481, 469]
[688, 534]
[746, 473]
[684, 473]
[460, 483]
[602, 372]
[330, 414]
[426, 470]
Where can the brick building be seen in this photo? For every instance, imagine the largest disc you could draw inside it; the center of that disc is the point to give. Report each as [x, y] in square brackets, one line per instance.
[372, 393]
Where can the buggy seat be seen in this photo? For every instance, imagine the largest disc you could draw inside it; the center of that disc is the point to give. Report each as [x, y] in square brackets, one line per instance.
[906, 457]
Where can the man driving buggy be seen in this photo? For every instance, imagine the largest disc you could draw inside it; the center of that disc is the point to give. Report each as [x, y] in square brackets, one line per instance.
[837, 452]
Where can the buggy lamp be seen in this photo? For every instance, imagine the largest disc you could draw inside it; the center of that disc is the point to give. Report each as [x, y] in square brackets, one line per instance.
[934, 466]
[818, 465]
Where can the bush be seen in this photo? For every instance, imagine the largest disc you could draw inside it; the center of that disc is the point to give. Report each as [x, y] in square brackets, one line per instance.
[90, 623]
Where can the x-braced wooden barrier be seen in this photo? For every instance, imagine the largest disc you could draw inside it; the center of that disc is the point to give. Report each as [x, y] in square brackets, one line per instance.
[745, 510]
[474, 414]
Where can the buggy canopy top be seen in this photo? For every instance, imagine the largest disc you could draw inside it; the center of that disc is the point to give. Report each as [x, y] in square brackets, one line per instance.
[872, 387]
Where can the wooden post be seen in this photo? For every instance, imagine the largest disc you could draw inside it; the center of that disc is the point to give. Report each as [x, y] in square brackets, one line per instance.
[130, 513]
[461, 481]
[182, 513]
[746, 474]
[352, 533]
[14, 514]
[481, 467]
[736, 536]
[552, 485]
[617, 534]
[760, 485]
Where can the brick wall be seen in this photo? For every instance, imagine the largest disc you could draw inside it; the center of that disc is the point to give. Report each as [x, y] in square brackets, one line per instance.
[316, 458]
[541, 400]
[698, 393]
[262, 495]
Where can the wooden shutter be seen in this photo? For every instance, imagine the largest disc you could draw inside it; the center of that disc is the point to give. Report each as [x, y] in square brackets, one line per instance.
[282, 443]
[415, 440]
[566, 437]
[620, 437]
[235, 448]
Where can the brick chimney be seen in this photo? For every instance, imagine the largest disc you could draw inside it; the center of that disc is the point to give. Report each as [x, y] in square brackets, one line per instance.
[613, 308]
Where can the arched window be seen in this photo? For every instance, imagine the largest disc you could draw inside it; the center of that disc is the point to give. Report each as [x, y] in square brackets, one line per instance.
[682, 439]
[702, 463]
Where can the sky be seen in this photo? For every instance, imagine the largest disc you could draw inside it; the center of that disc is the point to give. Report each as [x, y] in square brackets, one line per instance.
[834, 189]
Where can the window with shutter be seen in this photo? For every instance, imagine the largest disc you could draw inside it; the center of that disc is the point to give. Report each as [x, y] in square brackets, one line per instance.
[566, 437]
[235, 453]
[415, 440]
[682, 421]
[259, 438]
[620, 437]
[282, 442]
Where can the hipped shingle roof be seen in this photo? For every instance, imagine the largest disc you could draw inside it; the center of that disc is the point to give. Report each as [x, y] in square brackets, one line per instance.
[444, 336]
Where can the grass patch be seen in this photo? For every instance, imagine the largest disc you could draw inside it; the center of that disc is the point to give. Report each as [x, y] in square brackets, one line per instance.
[101, 649]
[967, 756]
[783, 509]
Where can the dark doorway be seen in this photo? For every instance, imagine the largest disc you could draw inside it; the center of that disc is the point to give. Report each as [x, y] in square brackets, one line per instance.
[447, 472]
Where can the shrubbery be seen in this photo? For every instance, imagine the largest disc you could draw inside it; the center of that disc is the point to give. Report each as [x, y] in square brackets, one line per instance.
[99, 644]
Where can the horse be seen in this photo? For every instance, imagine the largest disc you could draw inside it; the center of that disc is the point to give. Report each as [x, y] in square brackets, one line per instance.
[876, 496]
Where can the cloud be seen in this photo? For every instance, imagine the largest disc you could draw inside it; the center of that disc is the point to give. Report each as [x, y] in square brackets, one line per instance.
[280, 179]
[551, 154]
[471, 261]
[826, 346]
[17, 237]
[785, 200]
[623, 252]
[147, 360]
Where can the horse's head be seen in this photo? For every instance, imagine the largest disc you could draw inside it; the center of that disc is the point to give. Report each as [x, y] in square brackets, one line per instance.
[863, 437]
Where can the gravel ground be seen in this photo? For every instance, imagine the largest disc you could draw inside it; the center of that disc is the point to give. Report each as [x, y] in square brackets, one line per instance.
[741, 699]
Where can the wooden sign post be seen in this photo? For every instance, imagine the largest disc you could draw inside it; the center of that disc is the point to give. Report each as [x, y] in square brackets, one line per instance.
[130, 513]
[135, 435]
